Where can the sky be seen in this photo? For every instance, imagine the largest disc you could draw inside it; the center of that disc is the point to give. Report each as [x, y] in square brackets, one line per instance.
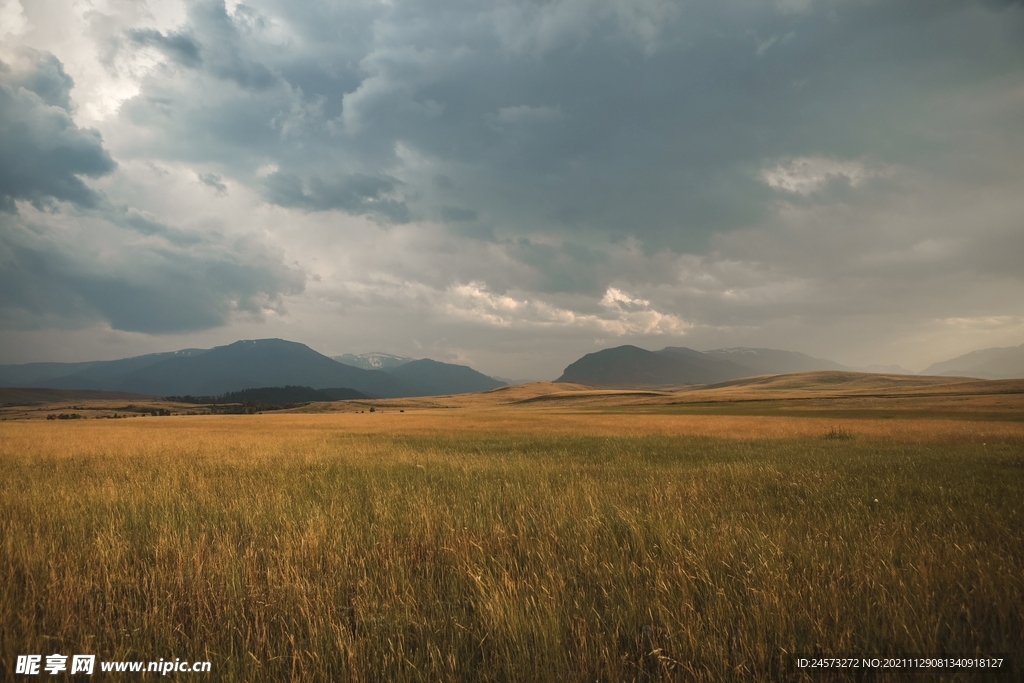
[512, 184]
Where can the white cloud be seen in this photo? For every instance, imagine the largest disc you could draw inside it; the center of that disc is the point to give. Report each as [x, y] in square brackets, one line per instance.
[633, 315]
[87, 37]
[1013, 323]
[13, 21]
[623, 314]
[805, 175]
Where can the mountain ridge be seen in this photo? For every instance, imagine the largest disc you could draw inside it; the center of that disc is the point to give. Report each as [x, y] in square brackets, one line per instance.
[242, 365]
[630, 365]
[374, 360]
[1006, 362]
[678, 365]
[251, 364]
[428, 377]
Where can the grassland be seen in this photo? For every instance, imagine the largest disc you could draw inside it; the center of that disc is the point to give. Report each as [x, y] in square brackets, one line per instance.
[511, 541]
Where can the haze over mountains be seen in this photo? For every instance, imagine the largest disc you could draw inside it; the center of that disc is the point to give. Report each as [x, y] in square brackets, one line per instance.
[999, 363]
[773, 362]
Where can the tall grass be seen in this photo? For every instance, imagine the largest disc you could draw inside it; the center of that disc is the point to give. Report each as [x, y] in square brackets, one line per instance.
[326, 555]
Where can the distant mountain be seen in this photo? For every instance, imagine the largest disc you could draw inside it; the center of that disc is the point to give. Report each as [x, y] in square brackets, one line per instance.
[630, 365]
[259, 363]
[242, 365]
[619, 365]
[34, 374]
[432, 378]
[374, 360]
[28, 397]
[773, 362]
[99, 374]
[999, 363]
[705, 368]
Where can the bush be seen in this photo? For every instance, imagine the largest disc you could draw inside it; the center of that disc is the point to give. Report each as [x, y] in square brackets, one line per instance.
[838, 434]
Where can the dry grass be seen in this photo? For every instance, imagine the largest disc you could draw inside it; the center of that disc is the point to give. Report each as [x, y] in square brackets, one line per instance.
[824, 394]
[509, 544]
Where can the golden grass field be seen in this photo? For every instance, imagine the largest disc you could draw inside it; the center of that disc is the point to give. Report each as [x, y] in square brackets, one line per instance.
[542, 532]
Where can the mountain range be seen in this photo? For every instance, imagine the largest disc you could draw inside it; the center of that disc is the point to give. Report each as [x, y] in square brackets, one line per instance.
[631, 365]
[1000, 363]
[246, 365]
[263, 363]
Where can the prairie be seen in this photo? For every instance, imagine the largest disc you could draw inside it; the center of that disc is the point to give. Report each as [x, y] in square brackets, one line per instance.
[507, 536]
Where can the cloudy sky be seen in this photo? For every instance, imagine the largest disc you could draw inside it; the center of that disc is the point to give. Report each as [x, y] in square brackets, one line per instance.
[512, 184]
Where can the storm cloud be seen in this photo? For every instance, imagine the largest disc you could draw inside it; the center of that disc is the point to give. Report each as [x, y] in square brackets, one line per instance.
[157, 280]
[43, 152]
[829, 176]
[70, 257]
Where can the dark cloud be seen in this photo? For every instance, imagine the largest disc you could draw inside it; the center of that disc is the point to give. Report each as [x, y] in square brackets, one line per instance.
[45, 77]
[156, 287]
[215, 181]
[222, 40]
[43, 152]
[567, 267]
[734, 165]
[650, 123]
[94, 260]
[151, 226]
[356, 194]
[180, 47]
[457, 214]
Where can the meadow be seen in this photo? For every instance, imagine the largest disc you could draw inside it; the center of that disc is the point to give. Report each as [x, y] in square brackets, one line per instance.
[511, 544]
